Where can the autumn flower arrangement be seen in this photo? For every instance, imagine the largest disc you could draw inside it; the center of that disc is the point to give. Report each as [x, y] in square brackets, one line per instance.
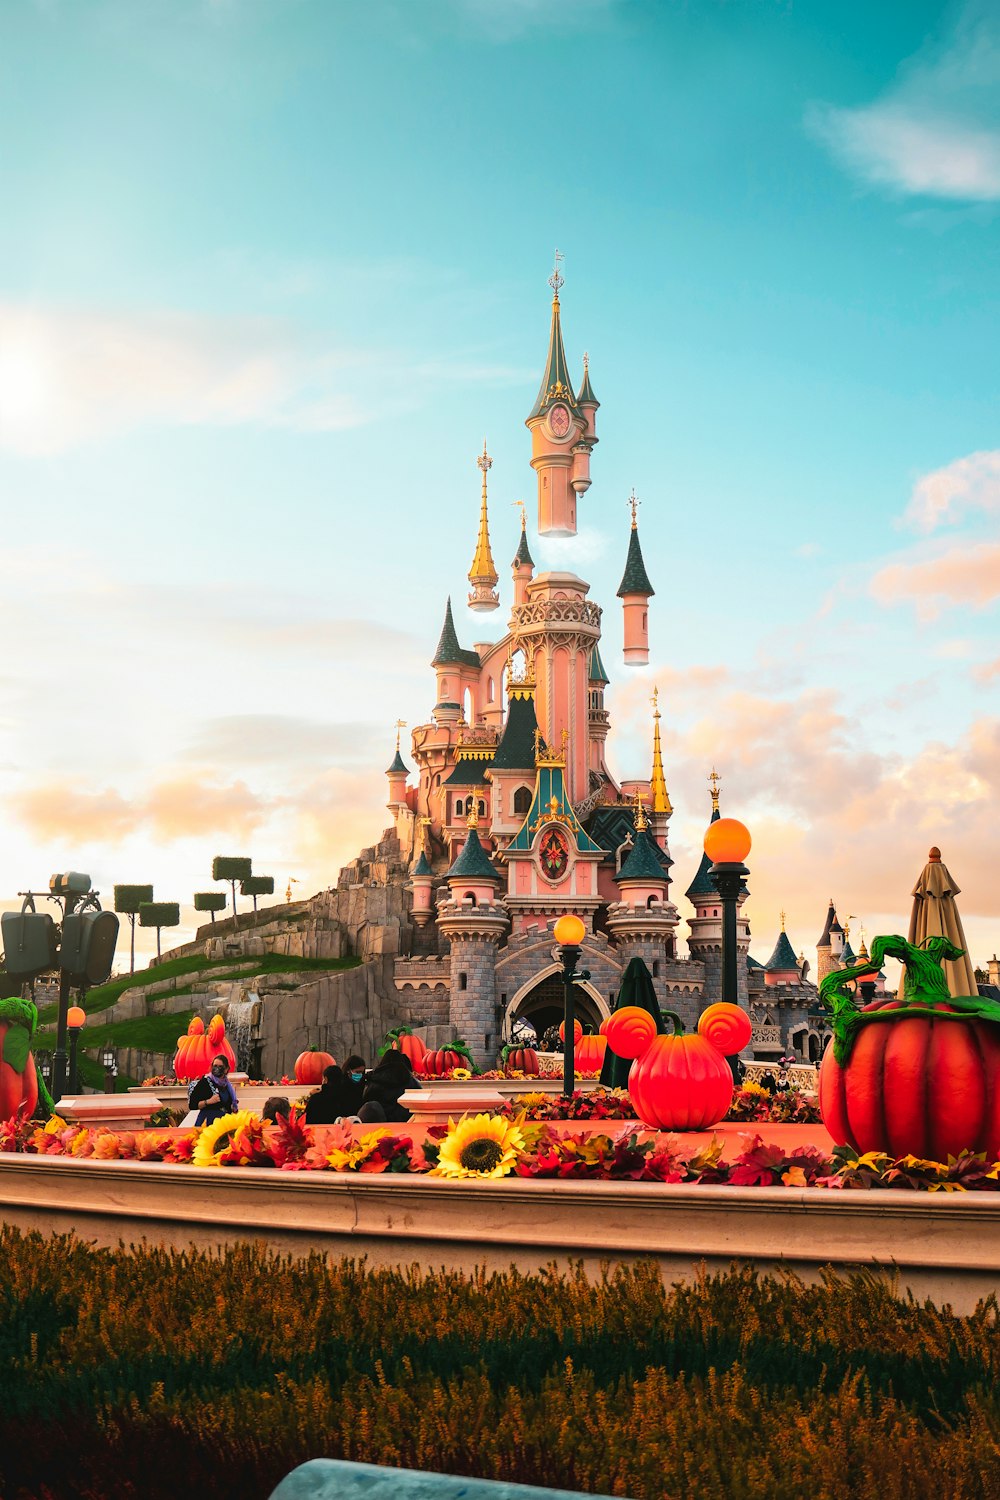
[600, 1104]
[785, 1107]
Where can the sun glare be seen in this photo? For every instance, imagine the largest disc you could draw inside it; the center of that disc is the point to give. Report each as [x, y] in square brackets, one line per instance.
[25, 385]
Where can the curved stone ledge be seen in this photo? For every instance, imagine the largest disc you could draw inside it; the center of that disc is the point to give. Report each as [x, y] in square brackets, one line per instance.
[943, 1246]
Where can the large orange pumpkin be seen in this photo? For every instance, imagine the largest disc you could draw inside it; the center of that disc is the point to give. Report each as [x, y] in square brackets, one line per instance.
[522, 1060]
[412, 1047]
[577, 1032]
[191, 1059]
[310, 1065]
[442, 1061]
[588, 1054]
[217, 1043]
[917, 1075]
[18, 1080]
[676, 1082]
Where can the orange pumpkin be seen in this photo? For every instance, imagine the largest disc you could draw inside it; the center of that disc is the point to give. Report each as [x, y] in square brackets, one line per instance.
[309, 1066]
[678, 1082]
[412, 1047]
[217, 1044]
[588, 1054]
[522, 1060]
[17, 1088]
[442, 1061]
[725, 1026]
[577, 1031]
[191, 1059]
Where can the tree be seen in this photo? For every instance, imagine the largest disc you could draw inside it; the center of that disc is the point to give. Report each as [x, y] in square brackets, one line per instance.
[159, 914]
[257, 885]
[210, 901]
[128, 899]
[232, 869]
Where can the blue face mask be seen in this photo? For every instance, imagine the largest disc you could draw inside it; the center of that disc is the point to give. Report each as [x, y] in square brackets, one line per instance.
[356, 1077]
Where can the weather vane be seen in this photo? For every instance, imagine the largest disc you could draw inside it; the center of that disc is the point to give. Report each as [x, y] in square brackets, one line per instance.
[555, 280]
[484, 461]
[524, 519]
[655, 701]
[399, 724]
[635, 502]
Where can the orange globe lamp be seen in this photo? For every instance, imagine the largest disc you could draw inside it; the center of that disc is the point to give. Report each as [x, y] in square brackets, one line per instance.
[76, 1017]
[727, 841]
[569, 931]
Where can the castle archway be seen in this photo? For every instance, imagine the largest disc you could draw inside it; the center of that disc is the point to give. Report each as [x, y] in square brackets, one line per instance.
[541, 1002]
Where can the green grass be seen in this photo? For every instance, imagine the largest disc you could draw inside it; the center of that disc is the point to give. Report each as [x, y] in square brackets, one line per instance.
[103, 996]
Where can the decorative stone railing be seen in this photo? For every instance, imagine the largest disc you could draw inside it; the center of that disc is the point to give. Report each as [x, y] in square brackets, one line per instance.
[801, 1076]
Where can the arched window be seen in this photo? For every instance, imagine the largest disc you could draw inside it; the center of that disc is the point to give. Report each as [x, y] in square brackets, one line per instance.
[651, 902]
[522, 801]
[490, 690]
[481, 808]
[469, 899]
[459, 807]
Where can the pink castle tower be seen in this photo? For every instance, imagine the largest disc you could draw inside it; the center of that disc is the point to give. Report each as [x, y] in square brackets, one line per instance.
[562, 432]
[635, 592]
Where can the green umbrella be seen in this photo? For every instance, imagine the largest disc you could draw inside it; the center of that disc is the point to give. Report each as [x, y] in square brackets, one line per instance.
[636, 989]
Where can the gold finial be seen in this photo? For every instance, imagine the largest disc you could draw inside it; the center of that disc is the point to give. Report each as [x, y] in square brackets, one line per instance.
[586, 362]
[472, 821]
[635, 502]
[658, 782]
[538, 745]
[555, 280]
[292, 880]
[524, 521]
[484, 462]
[715, 780]
[782, 921]
[641, 821]
[399, 724]
[565, 739]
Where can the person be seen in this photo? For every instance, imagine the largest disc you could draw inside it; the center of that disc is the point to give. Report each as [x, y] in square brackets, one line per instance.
[276, 1105]
[340, 1094]
[393, 1076]
[213, 1095]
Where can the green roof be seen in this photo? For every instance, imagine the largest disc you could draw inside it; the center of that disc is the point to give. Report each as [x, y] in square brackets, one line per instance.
[468, 772]
[516, 750]
[449, 652]
[831, 918]
[422, 867]
[473, 862]
[556, 384]
[398, 765]
[643, 862]
[585, 395]
[635, 579]
[610, 826]
[753, 963]
[522, 555]
[703, 884]
[550, 782]
[783, 956]
[597, 672]
[848, 956]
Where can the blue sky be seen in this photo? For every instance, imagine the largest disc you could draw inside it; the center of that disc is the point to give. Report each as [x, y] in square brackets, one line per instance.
[270, 271]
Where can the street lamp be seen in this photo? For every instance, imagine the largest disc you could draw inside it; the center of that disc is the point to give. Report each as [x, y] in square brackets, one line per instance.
[76, 1018]
[109, 1057]
[569, 933]
[727, 844]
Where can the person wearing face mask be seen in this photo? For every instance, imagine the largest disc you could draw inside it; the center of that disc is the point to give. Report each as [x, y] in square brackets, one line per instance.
[340, 1094]
[213, 1095]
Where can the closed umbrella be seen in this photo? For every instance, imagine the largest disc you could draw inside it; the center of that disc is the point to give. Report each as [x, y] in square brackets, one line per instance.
[636, 989]
[935, 914]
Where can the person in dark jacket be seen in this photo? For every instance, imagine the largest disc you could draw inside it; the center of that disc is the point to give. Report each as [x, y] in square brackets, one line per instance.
[339, 1095]
[213, 1095]
[393, 1076]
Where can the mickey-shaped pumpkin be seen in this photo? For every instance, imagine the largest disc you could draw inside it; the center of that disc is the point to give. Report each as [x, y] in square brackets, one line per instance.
[679, 1082]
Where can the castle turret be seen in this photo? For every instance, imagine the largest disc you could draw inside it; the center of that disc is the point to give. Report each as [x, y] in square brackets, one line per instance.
[830, 945]
[635, 592]
[782, 967]
[421, 884]
[456, 670]
[397, 774]
[705, 938]
[474, 921]
[588, 402]
[522, 568]
[560, 444]
[483, 575]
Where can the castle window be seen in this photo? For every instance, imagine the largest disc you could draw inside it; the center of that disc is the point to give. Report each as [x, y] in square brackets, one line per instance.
[469, 899]
[463, 981]
[522, 801]
[482, 809]
[490, 690]
[459, 807]
[656, 968]
[651, 902]
[644, 620]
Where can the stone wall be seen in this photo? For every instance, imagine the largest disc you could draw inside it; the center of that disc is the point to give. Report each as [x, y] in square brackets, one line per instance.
[346, 1012]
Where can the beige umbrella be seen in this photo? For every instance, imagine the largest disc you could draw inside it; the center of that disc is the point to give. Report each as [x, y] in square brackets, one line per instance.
[935, 914]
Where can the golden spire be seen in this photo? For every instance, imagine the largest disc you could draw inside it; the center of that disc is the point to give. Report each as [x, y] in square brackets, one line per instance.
[635, 502]
[660, 797]
[641, 821]
[472, 821]
[715, 779]
[483, 575]
[782, 915]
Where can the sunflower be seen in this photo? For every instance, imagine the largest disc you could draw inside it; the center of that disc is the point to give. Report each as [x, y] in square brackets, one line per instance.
[479, 1146]
[462, 1073]
[216, 1138]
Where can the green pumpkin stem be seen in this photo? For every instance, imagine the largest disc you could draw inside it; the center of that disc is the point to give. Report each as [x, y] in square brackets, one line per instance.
[671, 1015]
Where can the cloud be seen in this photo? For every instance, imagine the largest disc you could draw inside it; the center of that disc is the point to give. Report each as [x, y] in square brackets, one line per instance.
[987, 671]
[176, 808]
[284, 741]
[966, 574]
[936, 130]
[69, 376]
[947, 495]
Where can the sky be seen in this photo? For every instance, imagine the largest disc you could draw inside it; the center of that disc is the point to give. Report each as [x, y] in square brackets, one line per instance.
[271, 269]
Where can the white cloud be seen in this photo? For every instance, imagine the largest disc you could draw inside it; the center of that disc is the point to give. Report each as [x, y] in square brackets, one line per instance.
[936, 130]
[946, 495]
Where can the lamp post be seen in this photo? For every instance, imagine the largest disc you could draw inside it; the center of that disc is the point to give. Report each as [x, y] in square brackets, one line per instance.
[71, 888]
[76, 1018]
[109, 1057]
[569, 933]
[727, 844]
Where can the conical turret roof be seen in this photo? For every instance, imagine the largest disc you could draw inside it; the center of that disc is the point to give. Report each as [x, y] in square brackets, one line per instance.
[473, 862]
[585, 395]
[556, 383]
[522, 557]
[516, 750]
[783, 956]
[831, 925]
[422, 867]
[449, 653]
[596, 671]
[399, 766]
[635, 579]
[703, 884]
[643, 862]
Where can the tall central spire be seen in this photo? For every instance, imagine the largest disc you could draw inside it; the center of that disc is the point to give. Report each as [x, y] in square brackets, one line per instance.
[483, 574]
[658, 782]
[562, 432]
[556, 383]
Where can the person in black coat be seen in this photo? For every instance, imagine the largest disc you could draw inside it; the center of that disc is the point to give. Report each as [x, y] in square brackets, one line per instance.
[393, 1076]
[339, 1095]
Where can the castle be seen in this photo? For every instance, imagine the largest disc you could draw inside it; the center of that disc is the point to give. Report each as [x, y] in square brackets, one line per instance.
[515, 817]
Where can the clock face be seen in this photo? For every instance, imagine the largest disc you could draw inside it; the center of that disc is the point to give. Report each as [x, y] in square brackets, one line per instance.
[553, 853]
[559, 420]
